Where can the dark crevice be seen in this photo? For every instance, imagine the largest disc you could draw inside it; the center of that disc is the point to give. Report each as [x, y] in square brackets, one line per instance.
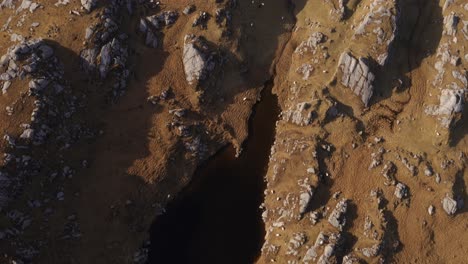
[216, 218]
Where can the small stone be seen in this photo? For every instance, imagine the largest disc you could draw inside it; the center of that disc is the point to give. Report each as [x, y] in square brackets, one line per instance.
[428, 171]
[437, 178]
[431, 210]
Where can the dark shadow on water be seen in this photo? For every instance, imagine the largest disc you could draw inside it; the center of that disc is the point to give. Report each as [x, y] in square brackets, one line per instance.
[217, 219]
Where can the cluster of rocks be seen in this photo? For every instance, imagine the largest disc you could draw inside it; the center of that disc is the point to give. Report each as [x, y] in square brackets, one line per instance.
[378, 238]
[453, 95]
[357, 76]
[198, 60]
[106, 51]
[50, 127]
[311, 44]
[401, 191]
[288, 236]
[377, 158]
[381, 22]
[302, 115]
[25, 5]
[305, 70]
[297, 240]
[451, 105]
[337, 217]
[35, 61]
[222, 15]
[189, 132]
[201, 20]
[327, 243]
[389, 170]
[151, 25]
[339, 11]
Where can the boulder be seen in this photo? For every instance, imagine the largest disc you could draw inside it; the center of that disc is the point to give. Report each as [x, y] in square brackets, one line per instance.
[197, 62]
[357, 76]
[449, 205]
[304, 201]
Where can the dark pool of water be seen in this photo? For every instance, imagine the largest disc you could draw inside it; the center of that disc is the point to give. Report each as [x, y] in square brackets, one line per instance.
[217, 219]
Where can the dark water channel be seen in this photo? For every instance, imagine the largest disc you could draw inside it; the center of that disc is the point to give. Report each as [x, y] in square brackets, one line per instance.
[217, 219]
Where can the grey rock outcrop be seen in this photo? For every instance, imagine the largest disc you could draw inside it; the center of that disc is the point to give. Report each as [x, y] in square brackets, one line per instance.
[357, 76]
[338, 216]
[451, 103]
[106, 52]
[311, 44]
[151, 25]
[196, 58]
[301, 115]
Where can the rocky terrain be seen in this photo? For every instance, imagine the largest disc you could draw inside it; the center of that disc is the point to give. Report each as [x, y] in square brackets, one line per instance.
[109, 107]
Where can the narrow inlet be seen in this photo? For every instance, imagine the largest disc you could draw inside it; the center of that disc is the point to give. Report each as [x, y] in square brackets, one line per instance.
[217, 219]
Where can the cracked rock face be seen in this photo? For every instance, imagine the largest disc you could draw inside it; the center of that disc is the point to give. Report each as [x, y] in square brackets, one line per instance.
[196, 59]
[357, 76]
